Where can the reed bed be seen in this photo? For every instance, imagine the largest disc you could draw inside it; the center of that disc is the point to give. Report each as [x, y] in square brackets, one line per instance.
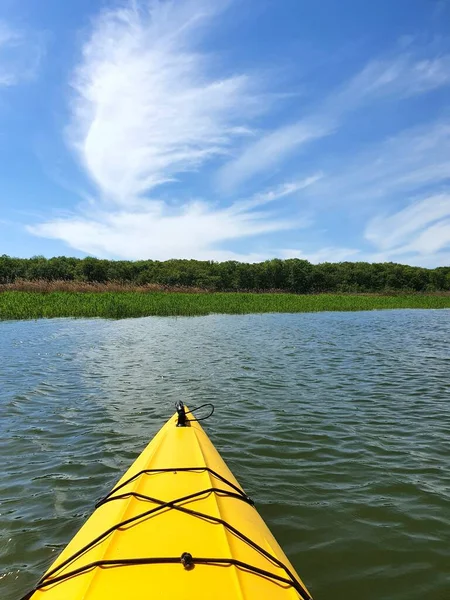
[60, 285]
[120, 305]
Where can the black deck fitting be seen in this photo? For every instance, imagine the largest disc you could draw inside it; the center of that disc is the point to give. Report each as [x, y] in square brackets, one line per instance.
[181, 414]
[187, 561]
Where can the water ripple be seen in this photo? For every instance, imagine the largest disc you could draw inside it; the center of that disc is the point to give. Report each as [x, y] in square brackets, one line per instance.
[336, 423]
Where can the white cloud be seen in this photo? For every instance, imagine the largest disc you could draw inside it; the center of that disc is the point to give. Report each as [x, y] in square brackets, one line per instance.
[334, 254]
[327, 254]
[277, 193]
[418, 233]
[419, 229]
[386, 176]
[412, 159]
[157, 232]
[8, 35]
[145, 110]
[146, 107]
[401, 77]
[20, 55]
[270, 150]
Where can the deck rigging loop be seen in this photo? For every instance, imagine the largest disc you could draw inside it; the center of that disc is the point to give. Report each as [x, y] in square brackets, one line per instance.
[55, 576]
[239, 493]
[182, 412]
[186, 559]
[276, 569]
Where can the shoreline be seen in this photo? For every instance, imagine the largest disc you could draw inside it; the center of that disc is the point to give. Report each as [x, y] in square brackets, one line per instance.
[22, 305]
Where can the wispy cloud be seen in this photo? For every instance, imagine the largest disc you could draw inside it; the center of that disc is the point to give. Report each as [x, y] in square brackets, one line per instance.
[145, 110]
[9, 40]
[150, 107]
[379, 191]
[20, 55]
[419, 229]
[146, 107]
[326, 254]
[270, 150]
[404, 163]
[277, 193]
[417, 234]
[195, 231]
[401, 77]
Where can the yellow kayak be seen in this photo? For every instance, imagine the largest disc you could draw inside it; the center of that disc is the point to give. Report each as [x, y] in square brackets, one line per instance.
[176, 526]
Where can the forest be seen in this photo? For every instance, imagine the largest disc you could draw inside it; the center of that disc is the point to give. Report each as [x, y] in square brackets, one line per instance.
[291, 275]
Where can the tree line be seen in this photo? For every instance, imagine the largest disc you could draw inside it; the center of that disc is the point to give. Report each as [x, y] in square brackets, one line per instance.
[292, 275]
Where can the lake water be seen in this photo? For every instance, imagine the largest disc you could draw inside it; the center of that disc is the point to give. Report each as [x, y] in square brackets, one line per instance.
[337, 424]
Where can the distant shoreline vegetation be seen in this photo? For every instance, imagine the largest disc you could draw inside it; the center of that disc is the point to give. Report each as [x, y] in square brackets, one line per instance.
[69, 287]
[126, 304]
[294, 276]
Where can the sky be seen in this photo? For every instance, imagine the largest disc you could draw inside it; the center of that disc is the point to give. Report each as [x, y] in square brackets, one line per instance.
[226, 129]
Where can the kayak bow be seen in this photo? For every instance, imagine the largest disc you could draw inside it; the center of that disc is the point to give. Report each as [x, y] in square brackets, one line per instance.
[177, 525]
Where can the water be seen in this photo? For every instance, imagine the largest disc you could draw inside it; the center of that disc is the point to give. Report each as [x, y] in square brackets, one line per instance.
[336, 423]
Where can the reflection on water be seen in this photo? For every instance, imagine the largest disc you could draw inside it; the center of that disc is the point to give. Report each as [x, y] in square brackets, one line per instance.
[336, 423]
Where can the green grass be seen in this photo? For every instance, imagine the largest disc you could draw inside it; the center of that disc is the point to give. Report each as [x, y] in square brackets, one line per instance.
[120, 305]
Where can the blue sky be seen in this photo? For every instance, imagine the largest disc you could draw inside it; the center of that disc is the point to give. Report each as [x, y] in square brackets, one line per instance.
[216, 130]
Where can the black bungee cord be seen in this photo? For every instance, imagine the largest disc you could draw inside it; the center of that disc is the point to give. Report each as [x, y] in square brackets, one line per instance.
[186, 559]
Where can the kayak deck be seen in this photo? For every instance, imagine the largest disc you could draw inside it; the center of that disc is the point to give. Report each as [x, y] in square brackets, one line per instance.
[176, 525]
